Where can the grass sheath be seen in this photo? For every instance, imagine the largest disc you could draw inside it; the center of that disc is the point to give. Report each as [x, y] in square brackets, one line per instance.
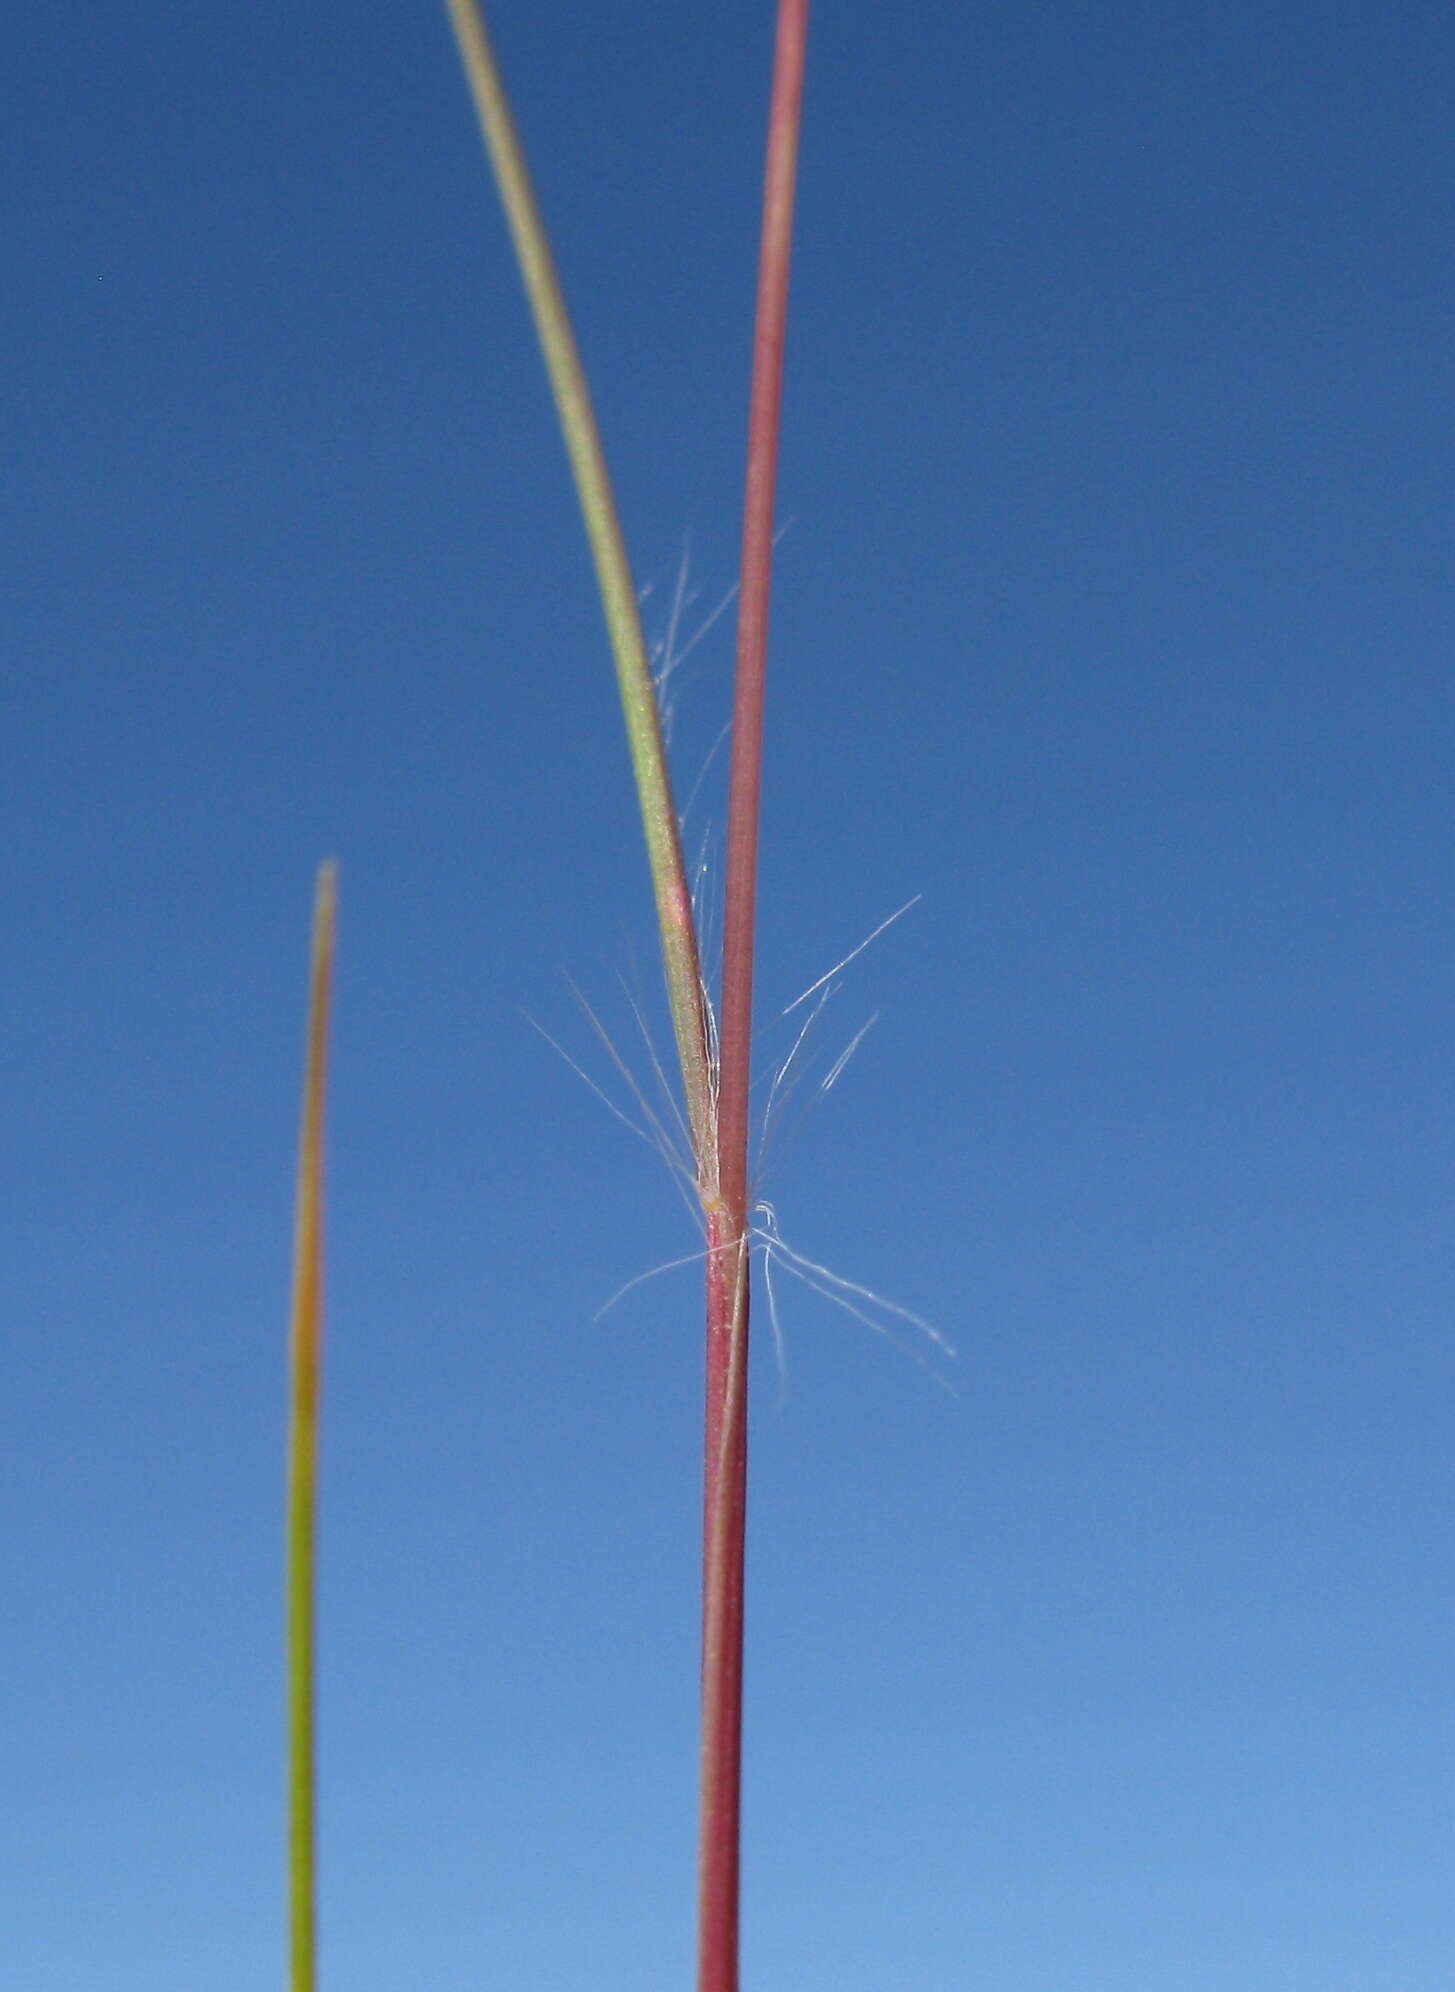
[305, 1373]
[725, 1494]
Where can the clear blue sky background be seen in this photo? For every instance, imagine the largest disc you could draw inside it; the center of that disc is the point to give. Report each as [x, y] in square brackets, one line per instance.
[1115, 618]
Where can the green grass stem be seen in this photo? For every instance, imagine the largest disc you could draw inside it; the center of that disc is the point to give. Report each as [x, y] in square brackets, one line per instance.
[305, 1377]
[613, 573]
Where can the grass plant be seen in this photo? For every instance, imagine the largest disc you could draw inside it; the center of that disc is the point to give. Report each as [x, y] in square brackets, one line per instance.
[715, 1067]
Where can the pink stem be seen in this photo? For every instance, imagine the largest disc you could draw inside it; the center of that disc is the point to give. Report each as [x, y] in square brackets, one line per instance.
[725, 1506]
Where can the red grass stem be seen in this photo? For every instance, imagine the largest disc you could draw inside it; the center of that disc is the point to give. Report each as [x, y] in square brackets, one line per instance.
[757, 569]
[725, 1504]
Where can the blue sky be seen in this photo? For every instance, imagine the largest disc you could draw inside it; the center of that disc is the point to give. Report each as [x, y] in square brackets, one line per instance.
[1114, 618]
